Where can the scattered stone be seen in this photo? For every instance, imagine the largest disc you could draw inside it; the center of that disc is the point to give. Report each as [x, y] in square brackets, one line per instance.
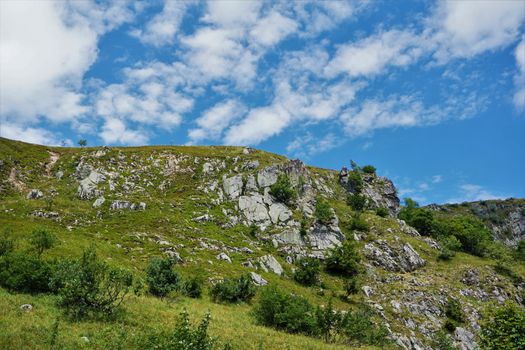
[46, 214]
[223, 256]
[35, 194]
[88, 186]
[26, 307]
[203, 218]
[85, 339]
[471, 277]
[404, 259]
[368, 290]
[120, 204]
[257, 279]
[98, 202]
[172, 254]
[269, 263]
[59, 175]
[247, 150]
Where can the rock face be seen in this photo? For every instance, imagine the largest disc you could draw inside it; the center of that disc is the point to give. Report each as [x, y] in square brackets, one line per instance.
[257, 279]
[254, 209]
[279, 213]
[323, 237]
[401, 259]
[464, 339]
[121, 204]
[233, 186]
[98, 202]
[269, 263]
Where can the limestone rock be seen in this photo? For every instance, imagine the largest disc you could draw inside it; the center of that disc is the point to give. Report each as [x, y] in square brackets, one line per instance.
[254, 209]
[120, 204]
[322, 236]
[98, 202]
[464, 339]
[223, 256]
[290, 237]
[26, 307]
[35, 194]
[233, 186]
[269, 263]
[88, 186]
[403, 259]
[257, 279]
[59, 175]
[279, 213]
[267, 176]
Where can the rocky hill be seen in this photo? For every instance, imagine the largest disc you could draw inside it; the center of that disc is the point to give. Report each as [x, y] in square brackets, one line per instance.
[505, 218]
[212, 209]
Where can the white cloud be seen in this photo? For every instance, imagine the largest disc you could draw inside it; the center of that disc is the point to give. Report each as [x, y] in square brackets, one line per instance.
[115, 130]
[308, 145]
[28, 134]
[519, 79]
[161, 29]
[468, 28]
[437, 179]
[373, 54]
[472, 192]
[214, 120]
[272, 29]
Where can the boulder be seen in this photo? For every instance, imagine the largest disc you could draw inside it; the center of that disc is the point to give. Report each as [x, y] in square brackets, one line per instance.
[59, 175]
[26, 307]
[98, 202]
[35, 194]
[232, 186]
[464, 339]
[257, 279]
[254, 209]
[267, 176]
[279, 213]
[120, 204]
[269, 263]
[290, 237]
[88, 186]
[400, 259]
[324, 237]
[223, 256]
[251, 185]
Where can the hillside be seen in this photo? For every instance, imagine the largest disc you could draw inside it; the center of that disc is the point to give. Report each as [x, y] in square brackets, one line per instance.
[212, 210]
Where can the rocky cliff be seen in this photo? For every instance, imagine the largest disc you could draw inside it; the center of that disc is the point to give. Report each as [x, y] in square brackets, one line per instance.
[212, 209]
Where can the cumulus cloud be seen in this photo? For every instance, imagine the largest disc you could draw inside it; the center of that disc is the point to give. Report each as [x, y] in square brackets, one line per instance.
[308, 145]
[161, 29]
[115, 130]
[473, 192]
[28, 134]
[213, 121]
[519, 80]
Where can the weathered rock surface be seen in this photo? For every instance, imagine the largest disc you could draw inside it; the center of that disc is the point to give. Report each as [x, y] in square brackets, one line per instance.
[35, 194]
[279, 213]
[98, 202]
[233, 186]
[88, 186]
[401, 259]
[269, 263]
[257, 279]
[254, 209]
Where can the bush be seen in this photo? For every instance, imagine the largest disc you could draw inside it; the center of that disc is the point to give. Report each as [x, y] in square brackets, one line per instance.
[323, 212]
[192, 287]
[303, 231]
[449, 246]
[344, 260]
[454, 313]
[475, 238]
[442, 341]
[382, 212]
[352, 285]
[358, 328]
[24, 273]
[7, 243]
[327, 321]
[504, 329]
[283, 190]
[520, 250]
[89, 286]
[419, 218]
[234, 290]
[160, 277]
[369, 169]
[307, 272]
[185, 336]
[356, 201]
[359, 224]
[355, 181]
[284, 311]
[42, 240]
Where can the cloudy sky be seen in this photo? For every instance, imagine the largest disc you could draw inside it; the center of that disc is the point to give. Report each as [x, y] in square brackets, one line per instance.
[431, 93]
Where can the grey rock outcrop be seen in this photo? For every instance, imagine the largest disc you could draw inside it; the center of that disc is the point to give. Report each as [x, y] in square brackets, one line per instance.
[35, 194]
[88, 186]
[98, 202]
[232, 186]
[400, 259]
[223, 256]
[254, 209]
[267, 176]
[465, 339]
[257, 279]
[279, 213]
[269, 263]
[325, 236]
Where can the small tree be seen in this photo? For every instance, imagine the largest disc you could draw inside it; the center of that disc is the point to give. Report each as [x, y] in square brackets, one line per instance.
[344, 260]
[327, 321]
[160, 277]
[283, 190]
[382, 212]
[42, 240]
[82, 142]
[323, 212]
[233, 290]
[307, 272]
[355, 181]
[369, 169]
[504, 329]
[356, 201]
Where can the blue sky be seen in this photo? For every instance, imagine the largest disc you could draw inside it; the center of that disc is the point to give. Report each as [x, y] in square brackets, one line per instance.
[431, 93]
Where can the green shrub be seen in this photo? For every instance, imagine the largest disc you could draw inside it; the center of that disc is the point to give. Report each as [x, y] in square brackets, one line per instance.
[185, 336]
[442, 341]
[323, 212]
[42, 240]
[352, 285]
[382, 212]
[355, 181]
[520, 250]
[283, 190]
[358, 223]
[356, 201]
[307, 272]
[7, 242]
[369, 169]
[284, 311]
[24, 273]
[303, 231]
[475, 238]
[233, 290]
[160, 276]
[419, 218]
[344, 260]
[449, 246]
[504, 329]
[88, 286]
[358, 328]
[454, 313]
[327, 321]
[192, 287]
